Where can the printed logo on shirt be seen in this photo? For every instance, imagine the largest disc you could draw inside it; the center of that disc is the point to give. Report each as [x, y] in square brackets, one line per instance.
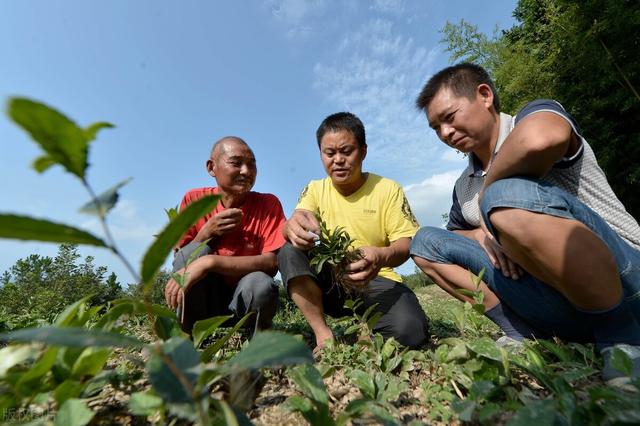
[303, 193]
[369, 212]
[407, 213]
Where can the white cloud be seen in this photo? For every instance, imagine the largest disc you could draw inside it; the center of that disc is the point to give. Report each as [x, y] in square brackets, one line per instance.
[296, 15]
[389, 6]
[431, 198]
[376, 73]
[126, 224]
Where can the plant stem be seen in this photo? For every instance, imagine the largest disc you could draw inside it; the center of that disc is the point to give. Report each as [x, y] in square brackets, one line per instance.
[111, 244]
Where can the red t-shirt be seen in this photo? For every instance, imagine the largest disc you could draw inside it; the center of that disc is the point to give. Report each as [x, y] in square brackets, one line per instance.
[259, 232]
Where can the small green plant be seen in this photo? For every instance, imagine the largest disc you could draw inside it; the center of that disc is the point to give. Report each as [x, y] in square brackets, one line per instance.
[334, 248]
[463, 314]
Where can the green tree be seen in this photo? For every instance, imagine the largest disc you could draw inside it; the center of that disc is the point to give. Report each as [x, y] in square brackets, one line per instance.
[156, 292]
[417, 279]
[41, 287]
[582, 54]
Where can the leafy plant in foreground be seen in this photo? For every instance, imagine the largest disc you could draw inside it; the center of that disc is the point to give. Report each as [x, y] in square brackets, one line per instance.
[77, 346]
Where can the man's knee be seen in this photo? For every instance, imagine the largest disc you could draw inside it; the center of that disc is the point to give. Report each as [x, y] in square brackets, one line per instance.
[511, 206]
[405, 320]
[431, 245]
[411, 330]
[257, 290]
[182, 256]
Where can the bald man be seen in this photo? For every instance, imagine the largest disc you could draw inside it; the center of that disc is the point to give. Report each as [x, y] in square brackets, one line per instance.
[233, 273]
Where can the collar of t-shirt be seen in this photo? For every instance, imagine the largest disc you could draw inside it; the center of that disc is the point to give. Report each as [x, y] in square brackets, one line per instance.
[475, 166]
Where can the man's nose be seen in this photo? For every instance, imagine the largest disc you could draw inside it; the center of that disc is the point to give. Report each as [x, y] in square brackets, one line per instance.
[338, 159]
[446, 131]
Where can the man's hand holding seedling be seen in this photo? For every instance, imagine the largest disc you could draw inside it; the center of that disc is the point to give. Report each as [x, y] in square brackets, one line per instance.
[220, 224]
[360, 272]
[194, 272]
[302, 229]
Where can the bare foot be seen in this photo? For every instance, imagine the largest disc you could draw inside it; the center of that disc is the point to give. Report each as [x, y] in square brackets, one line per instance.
[323, 337]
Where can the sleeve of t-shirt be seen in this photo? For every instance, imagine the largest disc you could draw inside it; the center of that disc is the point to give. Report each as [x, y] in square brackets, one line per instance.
[401, 222]
[548, 105]
[456, 218]
[308, 199]
[272, 231]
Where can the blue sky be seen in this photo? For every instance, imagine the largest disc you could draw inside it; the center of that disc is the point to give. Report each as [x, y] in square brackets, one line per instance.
[174, 76]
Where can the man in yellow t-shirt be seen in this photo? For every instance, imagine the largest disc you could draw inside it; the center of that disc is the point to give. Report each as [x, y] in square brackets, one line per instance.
[375, 212]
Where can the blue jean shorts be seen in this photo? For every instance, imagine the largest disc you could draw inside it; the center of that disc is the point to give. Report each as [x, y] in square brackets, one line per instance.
[536, 302]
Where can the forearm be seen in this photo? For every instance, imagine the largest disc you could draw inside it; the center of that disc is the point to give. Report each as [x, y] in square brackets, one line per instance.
[236, 266]
[532, 148]
[395, 254]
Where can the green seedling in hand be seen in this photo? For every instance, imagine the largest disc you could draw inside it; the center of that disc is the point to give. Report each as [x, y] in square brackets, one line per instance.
[334, 248]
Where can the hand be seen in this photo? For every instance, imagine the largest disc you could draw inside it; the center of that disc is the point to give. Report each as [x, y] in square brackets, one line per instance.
[497, 256]
[220, 224]
[302, 229]
[364, 270]
[195, 271]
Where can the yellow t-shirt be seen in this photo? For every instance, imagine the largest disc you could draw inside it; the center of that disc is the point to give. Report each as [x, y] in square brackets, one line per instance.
[375, 215]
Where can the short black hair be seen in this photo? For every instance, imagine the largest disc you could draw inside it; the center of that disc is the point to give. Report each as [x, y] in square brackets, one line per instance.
[463, 79]
[342, 121]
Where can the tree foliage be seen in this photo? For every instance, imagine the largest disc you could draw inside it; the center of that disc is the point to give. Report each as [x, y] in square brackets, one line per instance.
[582, 54]
[156, 291]
[41, 286]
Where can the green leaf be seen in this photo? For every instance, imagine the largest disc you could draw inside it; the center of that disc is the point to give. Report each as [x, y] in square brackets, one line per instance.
[172, 212]
[139, 307]
[167, 328]
[171, 234]
[105, 201]
[465, 292]
[90, 362]
[487, 348]
[310, 382]
[27, 228]
[535, 413]
[92, 130]
[465, 409]
[74, 412]
[70, 313]
[458, 351]
[208, 353]
[298, 403]
[30, 380]
[61, 139]
[174, 371]
[481, 390]
[477, 279]
[271, 349]
[66, 390]
[364, 382]
[41, 164]
[621, 361]
[144, 403]
[205, 328]
[72, 337]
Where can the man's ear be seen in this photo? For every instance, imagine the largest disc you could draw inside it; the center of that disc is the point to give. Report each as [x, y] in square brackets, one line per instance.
[485, 94]
[364, 151]
[211, 168]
